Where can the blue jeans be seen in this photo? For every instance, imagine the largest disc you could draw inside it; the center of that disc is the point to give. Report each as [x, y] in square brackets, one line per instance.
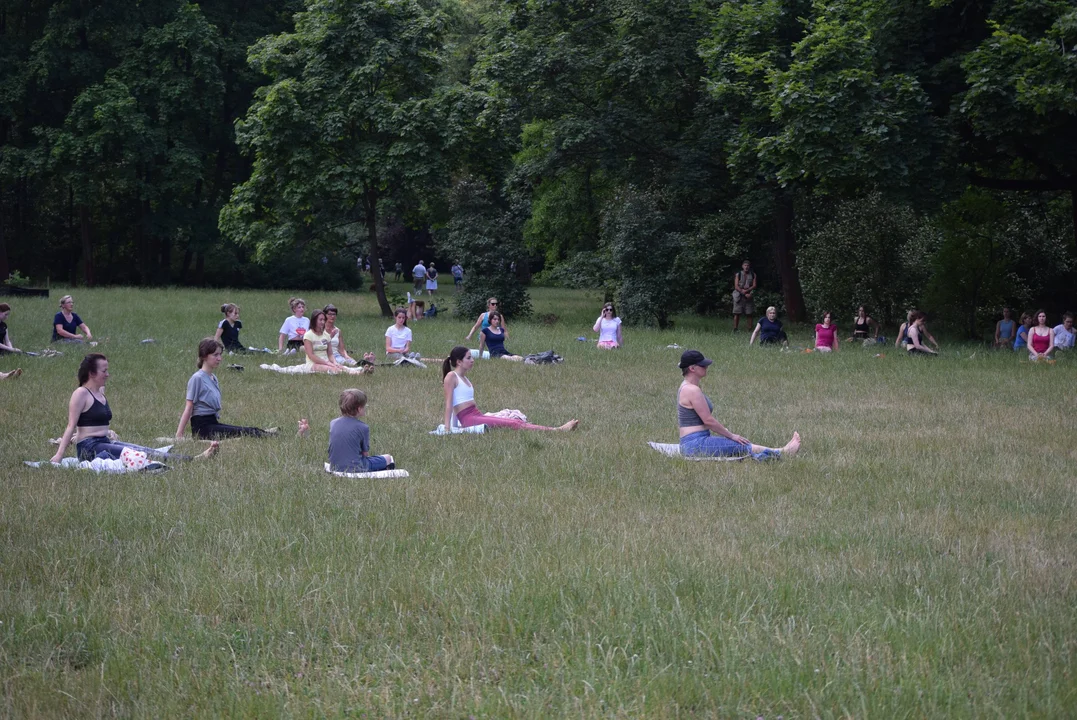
[374, 463]
[102, 447]
[703, 444]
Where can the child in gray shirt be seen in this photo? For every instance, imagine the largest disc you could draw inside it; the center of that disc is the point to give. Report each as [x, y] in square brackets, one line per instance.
[349, 438]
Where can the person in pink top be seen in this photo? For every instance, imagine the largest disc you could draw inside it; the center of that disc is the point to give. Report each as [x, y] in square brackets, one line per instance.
[1041, 338]
[826, 335]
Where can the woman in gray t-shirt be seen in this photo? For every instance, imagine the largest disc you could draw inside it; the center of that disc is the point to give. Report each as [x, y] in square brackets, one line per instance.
[203, 406]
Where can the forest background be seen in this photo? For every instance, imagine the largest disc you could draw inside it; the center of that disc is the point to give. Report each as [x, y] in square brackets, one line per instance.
[919, 152]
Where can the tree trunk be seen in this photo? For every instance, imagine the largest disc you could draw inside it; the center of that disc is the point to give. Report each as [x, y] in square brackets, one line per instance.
[188, 255]
[200, 269]
[5, 270]
[370, 204]
[784, 243]
[87, 244]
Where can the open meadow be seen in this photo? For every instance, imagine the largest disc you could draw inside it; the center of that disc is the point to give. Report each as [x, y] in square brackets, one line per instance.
[917, 559]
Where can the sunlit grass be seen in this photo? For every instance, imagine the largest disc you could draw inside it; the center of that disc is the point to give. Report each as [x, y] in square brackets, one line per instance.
[915, 560]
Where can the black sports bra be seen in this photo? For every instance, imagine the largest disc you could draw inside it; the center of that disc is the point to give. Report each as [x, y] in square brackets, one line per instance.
[97, 415]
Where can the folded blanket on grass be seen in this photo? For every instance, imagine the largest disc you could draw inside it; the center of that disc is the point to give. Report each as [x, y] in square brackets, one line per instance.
[289, 369]
[674, 450]
[379, 474]
[130, 461]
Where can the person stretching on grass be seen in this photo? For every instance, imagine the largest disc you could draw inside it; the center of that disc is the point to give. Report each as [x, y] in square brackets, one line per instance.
[914, 336]
[203, 405]
[769, 329]
[89, 414]
[696, 423]
[460, 397]
[349, 438]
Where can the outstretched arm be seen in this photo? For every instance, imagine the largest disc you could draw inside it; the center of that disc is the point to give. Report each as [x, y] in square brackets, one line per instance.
[449, 384]
[185, 417]
[478, 321]
[755, 334]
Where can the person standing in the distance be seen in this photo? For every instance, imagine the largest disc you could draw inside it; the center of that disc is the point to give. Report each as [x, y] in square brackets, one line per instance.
[1041, 339]
[457, 276]
[418, 276]
[66, 325]
[1064, 333]
[398, 271]
[6, 343]
[608, 327]
[744, 283]
[1005, 329]
[431, 280]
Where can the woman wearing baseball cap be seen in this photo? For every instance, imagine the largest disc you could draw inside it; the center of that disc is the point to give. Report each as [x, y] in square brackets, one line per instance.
[696, 423]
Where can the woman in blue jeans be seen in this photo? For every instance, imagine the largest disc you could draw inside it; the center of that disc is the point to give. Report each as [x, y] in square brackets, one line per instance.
[696, 422]
[89, 413]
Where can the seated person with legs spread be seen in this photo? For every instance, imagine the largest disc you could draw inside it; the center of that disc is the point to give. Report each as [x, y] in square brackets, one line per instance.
[66, 326]
[349, 438]
[769, 329]
[460, 397]
[203, 406]
[89, 414]
[398, 337]
[696, 421]
[228, 329]
[493, 338]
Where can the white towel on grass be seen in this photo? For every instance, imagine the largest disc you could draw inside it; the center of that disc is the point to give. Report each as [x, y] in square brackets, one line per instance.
[457, 430]
[290, 369]
[380, 474]
[674, 450]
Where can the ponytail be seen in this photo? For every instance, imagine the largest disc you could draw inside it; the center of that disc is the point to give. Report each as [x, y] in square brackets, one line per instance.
[454, 358]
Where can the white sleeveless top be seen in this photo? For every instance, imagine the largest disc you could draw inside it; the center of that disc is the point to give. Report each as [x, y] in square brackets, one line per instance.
[463, 392]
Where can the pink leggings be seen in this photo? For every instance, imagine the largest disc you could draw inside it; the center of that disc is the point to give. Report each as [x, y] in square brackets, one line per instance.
[471, 416]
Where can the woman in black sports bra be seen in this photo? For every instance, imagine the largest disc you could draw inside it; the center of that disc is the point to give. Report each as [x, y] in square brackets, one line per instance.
[88, 413]
[863, 325]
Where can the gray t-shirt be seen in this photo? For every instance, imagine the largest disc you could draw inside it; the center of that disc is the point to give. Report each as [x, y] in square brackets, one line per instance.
[349, 445]
[205, 393]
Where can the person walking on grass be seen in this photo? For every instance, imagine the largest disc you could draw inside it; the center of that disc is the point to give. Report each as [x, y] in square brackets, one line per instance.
[6, 344]
[203, 406]
[744, 283]
[1041, 339]
[460, 397]
[1005, 329]
[89, 417]
[349, 438]
[457, 276]
[67, 326]
[294, 327]
[701, 434]
[1064, 333]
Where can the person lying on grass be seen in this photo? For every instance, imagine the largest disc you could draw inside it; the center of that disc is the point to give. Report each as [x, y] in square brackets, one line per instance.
[89, 414]
[696, 423]
[349, 438]
[493, 337]
[316, 343]
[203, 406]
[460, 397]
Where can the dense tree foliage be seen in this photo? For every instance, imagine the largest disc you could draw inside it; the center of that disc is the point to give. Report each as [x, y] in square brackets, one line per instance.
[643, 147]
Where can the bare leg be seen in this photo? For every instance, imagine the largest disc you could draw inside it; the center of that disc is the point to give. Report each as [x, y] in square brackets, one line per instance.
[787, 450]
[13, 374]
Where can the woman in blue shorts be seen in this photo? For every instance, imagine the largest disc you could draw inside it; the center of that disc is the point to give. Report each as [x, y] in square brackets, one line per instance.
[696, 422]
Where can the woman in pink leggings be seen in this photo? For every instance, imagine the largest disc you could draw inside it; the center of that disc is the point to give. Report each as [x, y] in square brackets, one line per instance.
[460, 397]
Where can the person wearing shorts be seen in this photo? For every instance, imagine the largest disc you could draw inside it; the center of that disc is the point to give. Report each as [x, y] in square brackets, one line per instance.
[744, 283]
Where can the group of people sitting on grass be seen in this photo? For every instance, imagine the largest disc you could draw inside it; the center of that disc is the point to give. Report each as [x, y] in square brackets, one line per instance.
[1034, 334]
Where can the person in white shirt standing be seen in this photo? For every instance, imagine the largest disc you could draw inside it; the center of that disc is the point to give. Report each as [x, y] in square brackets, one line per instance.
[1064, 333]
[418, 274]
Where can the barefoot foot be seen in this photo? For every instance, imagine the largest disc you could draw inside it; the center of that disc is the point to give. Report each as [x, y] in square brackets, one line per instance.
[211, 450]
[792, 446]
[304, 428]
[570, 425]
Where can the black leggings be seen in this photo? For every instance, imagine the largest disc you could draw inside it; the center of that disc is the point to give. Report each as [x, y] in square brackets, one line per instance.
[208, 427]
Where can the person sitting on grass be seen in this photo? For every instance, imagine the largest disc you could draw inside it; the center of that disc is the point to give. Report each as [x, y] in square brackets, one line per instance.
[66, 324]
[608, 327]
[484, 318]
[1064, 333]
[494, 337]
[1021, 341]
[1041, 339]
[903, 331]
[203, 406]
[696, 422]
[863, 326]
[89, 414]
[460, 397]
[769, 329]
[398, 337]
[336, 340]
[349, 438]
[914, 336]
[826, 335]
[294, 327]
[6, 344]
[316, 346]
[228, 329]
[1005, 330]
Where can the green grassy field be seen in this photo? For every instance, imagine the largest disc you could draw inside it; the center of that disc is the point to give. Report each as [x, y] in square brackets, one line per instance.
[916, 560]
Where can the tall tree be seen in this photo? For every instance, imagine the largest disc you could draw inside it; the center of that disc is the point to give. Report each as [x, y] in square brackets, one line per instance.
[349, 121]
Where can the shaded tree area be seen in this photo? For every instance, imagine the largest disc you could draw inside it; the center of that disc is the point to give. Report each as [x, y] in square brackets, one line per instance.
[643, 147]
